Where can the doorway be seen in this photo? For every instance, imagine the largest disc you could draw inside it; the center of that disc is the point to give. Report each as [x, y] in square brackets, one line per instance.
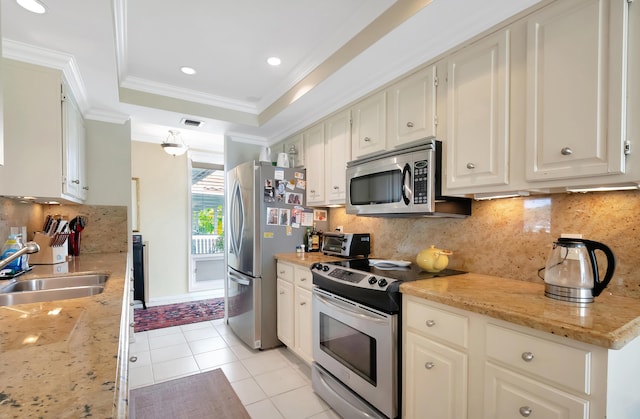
[207, 229]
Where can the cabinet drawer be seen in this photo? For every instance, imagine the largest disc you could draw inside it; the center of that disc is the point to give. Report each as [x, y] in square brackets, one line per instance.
[436, 323]
[565, 365]
[285, 271]
[303, 277]
[509, 395]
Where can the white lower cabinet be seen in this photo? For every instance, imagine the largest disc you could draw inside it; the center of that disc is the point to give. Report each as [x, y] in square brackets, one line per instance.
[294, 315]
[439, 371]
[476, 367]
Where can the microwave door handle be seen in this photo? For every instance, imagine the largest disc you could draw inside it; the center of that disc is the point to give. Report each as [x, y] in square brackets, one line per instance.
[407, 193]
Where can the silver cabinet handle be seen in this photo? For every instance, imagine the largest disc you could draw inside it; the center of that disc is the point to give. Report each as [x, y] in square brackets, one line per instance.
[133, 359]
[76, 181]
[367, 139]
[471, 166]
[566, 151]
[132, 324]
[336, 187]
[282, 272]
[131, 304]
[303, 279]
[303, 303]
[281, 292]
[429, 365]
[527, 356]
[409, 124]
[526, 411]
[86, 188]
[430, 323]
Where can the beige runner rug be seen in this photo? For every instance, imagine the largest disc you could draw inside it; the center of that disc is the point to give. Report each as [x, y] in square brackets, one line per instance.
[204, 395]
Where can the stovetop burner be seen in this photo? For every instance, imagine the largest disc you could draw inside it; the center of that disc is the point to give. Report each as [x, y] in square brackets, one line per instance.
[357, 280]
[411, 273]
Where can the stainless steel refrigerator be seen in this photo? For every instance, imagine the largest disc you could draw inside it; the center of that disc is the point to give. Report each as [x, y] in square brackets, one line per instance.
[265, 207]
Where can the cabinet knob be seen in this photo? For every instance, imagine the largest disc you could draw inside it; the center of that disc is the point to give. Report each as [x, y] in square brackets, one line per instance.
[527, 356]
[367, 139]
[133, 359]
[76, 181]
[526, 411]
[566, 151]
[86, 188]
[132, 304]
[303, 303]
[471, 166]
[429, 365]
[430, 323]
[303, 279]
[409, 124]
[313, 191]
[336, 187]
[132, 324]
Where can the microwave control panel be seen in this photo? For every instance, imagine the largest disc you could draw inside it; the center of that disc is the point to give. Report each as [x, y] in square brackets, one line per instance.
[421, 182]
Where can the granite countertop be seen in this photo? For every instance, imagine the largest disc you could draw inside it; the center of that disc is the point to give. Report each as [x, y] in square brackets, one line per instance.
[306, 259]
[610, 322]
[66, 359]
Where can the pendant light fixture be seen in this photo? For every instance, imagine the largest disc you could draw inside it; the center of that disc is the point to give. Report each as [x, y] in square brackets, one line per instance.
[174, 144]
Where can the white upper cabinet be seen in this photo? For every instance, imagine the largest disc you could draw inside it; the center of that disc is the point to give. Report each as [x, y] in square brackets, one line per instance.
[576, 65]
[337, 130]
[477, 133]
[369, 125]
[73, 149]
[314, 149]
[412, 108]
[44, 136]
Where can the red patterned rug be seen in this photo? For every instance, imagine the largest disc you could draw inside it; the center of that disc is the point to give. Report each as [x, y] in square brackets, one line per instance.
[177, 314]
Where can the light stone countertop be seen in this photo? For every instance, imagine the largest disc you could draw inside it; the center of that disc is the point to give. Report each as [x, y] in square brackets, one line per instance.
[306, 259]
[610, 321]
[65, 359]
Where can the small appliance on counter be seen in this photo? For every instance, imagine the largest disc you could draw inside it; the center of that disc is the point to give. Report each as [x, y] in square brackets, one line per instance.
[346, 244]
[571, 273]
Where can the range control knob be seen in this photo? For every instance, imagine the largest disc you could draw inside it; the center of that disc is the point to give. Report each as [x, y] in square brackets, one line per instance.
[382, 282]
[325, 268]
[373, 280]
[316, 266]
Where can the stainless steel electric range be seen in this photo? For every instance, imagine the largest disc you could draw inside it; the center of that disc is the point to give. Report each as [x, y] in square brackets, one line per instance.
[356, 334]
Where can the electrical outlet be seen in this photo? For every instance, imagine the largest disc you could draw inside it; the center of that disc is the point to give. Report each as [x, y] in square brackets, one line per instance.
[571, 236]
[572, 253]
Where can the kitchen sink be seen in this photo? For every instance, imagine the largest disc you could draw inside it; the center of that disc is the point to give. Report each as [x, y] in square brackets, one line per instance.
[51, 289]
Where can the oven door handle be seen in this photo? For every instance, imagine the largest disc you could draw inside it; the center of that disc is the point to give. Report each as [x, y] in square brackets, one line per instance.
[349, 310]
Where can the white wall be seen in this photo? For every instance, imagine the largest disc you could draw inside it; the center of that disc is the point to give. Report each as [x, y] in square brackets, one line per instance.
[164, 217]
[108, 163]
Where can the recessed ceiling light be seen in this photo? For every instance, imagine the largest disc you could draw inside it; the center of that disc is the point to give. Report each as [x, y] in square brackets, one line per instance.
[34, 6]
[274, 61]
[188, 70]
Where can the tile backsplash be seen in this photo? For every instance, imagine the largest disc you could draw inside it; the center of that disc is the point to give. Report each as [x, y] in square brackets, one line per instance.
[106, 230]
[512, 237]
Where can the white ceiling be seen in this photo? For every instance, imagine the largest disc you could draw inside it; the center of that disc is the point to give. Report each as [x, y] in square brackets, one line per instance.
[123, 57]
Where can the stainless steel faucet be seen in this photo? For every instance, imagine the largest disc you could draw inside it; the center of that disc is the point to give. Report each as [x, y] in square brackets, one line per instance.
[29, 247]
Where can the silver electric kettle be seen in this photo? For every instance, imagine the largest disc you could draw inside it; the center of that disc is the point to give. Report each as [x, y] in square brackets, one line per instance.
[571, 273]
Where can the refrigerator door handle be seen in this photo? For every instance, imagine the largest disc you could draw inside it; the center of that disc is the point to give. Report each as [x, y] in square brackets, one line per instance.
[237, 219]
[238, 279]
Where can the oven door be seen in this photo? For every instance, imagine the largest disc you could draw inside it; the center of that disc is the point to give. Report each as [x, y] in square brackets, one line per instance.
[358, 346]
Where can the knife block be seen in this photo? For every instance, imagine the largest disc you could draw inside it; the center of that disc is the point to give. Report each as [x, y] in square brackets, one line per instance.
[48, 255]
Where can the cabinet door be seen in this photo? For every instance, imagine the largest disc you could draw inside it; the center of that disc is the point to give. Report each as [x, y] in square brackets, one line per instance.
[369, 125]
[303, 324]
[575, 96]
[285, 312]
[338, 153]
[412, 108]
[509, 395]
[437, 371]
[314, 148]
[73, 148]
[477, 134]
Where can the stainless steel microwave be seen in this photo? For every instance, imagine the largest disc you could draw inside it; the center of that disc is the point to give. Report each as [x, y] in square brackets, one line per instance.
[403, 182]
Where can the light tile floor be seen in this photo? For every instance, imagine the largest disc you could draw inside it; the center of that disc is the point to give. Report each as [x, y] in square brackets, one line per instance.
[272, 384]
